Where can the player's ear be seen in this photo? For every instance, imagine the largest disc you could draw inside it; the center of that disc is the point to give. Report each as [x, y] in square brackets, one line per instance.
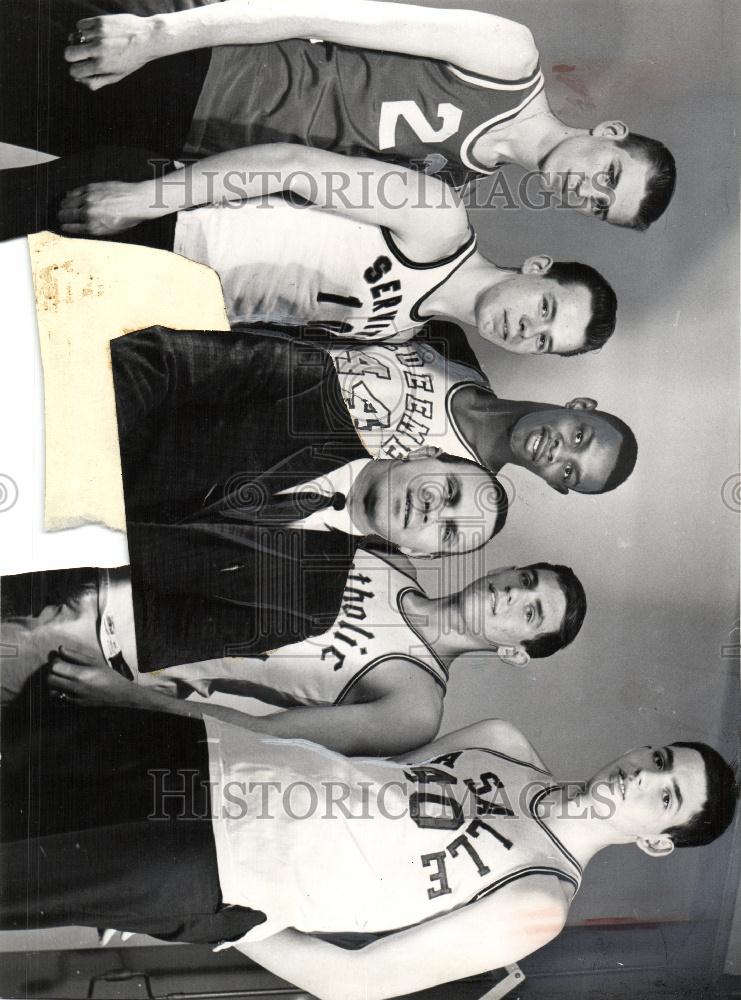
[656, 847]
[610, 130]
[539, 264]
[427, 451]
[516, 656]
[582, 403]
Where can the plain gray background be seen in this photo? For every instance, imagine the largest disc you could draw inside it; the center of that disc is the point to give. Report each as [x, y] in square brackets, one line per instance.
[659, 556]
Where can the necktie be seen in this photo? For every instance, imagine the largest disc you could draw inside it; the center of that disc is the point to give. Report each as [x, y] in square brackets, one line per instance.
[253, 507]
[284, 508]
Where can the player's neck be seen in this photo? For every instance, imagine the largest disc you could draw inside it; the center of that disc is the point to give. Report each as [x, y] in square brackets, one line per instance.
[438, 622]
[527, 142]
[457, 297]
[570, 816]
[447, 629]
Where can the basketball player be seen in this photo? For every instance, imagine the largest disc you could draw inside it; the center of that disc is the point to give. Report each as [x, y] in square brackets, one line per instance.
[452, 92]
[382, 668]
[469, 851]
[401, 396]
[375, 254]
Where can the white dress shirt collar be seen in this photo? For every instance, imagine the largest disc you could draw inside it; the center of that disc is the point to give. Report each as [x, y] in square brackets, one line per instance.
[336, 481]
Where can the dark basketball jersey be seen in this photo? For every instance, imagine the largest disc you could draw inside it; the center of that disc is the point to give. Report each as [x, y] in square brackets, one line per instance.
[405, 109]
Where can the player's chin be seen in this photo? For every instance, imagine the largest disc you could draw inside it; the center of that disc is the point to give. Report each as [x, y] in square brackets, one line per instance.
[385, 529]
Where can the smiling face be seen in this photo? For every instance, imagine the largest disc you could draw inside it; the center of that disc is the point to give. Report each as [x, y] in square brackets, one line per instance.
[569, 449]
[513, 605]
[650, 790]
[595, 176]
[427, 506]
[530, 313]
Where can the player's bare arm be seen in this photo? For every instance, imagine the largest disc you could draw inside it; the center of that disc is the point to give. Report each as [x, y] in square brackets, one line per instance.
[488, 934]
[426, 217]
[404, 713]
[116, 45]
[488, 732]
[375, 728]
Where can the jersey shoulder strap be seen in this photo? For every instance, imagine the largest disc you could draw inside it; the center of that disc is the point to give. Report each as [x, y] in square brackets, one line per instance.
[451, 342]
[432, 664]
[523, 83]
[464, 250]
[564, 865]
[575, 871]
[513, 97]
[451, 393]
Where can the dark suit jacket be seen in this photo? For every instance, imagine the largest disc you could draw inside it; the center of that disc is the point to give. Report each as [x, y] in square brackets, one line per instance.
[203, 415]
[448, 339]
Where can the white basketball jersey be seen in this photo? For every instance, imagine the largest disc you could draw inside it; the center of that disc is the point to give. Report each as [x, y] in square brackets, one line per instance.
[371, 629]
[281, 263]
[369, 845]
[399, 397]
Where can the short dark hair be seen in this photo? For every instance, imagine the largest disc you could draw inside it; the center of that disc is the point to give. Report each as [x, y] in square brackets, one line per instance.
[716, 814]
[601, 325]
[576, 609]
[499, 491]
[661, 181]
[626, 457]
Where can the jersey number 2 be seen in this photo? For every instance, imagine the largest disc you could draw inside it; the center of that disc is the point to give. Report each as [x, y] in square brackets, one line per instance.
[392, 111]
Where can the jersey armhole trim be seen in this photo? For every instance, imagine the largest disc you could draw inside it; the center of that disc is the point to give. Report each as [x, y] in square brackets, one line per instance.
[533, 807]
[384, 659]
[400, 606]
[523, 873]
[466, 152]
[454, 423]
[513, 760]
[494, 82]
[468, 243]
[466, 251]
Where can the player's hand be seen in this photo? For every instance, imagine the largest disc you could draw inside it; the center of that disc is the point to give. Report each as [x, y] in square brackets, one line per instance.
[102, 209]
[106, 49]
[76, 677]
